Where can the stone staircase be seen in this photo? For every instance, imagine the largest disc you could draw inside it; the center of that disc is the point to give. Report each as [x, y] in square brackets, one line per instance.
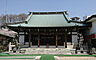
[49, 51]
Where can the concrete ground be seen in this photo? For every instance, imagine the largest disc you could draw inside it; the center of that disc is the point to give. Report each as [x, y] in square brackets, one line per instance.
[77, 58]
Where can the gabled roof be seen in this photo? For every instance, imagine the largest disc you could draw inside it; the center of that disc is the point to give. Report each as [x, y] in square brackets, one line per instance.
[46, 19]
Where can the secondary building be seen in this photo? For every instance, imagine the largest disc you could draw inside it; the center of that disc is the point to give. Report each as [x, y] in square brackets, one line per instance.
[91, 32]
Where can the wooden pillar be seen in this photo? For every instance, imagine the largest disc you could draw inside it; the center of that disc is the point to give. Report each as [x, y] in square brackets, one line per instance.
[56, 38]
[38, 38]
[65, 38]
[18, 34]
[71, 36]
[24, 37]
[30, 44]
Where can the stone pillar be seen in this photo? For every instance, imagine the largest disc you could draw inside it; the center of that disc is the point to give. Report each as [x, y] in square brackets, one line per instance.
[10, 46]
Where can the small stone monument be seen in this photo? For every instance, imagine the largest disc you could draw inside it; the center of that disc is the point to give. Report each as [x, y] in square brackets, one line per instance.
[10, 46]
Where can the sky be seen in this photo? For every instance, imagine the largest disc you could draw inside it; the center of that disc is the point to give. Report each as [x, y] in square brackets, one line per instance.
[79, 8]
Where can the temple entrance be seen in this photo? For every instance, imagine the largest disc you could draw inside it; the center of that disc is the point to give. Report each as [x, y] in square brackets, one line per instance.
[44, 40]
[34, 39]
[50, 40]
[47, 40]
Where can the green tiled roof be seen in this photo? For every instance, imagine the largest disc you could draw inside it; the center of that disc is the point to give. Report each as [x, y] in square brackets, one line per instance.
[48, 19]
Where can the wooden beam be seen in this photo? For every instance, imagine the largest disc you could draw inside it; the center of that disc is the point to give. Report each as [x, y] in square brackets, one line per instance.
[48, 12]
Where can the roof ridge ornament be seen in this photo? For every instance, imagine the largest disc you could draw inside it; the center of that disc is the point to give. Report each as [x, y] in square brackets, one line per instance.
[66, 16]
[29, 17]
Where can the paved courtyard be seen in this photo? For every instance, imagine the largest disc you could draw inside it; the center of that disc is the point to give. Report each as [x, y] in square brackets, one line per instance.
[77, 58]
[19, 57]
[38, 58]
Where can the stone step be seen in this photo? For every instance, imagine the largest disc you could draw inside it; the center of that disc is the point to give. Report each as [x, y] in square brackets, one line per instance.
[48, 50]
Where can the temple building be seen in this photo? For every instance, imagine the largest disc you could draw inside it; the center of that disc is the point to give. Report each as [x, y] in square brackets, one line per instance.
[49, 28]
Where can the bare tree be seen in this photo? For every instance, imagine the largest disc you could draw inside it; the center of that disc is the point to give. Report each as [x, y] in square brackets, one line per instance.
[22, 16]
[11, 18]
